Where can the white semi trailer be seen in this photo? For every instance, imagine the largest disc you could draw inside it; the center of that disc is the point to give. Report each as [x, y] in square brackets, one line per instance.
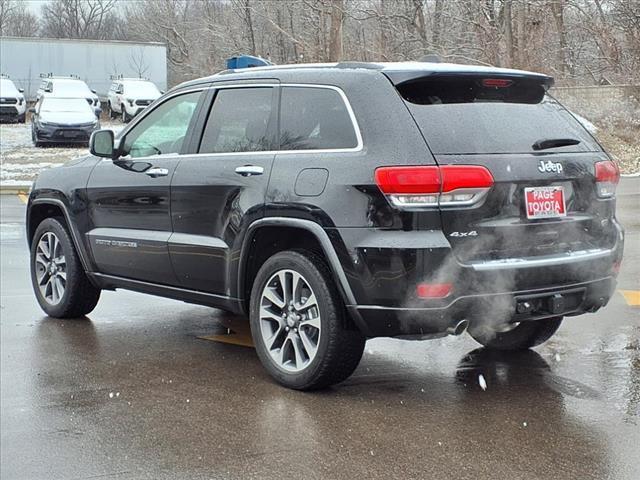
[94, 61]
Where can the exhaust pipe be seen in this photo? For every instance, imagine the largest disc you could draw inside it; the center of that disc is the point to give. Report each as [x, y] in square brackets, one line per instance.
[459, 328]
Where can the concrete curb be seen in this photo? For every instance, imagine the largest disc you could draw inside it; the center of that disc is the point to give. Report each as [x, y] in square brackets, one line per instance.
[14, 188]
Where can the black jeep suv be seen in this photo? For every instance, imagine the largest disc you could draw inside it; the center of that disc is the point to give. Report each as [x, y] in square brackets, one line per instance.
[332, 203]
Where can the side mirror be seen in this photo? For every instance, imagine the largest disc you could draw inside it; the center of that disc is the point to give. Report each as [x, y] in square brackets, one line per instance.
[101, 144]
[162, 92]
[32, 110]
[93, 91]
[21, 90]
[48, 90]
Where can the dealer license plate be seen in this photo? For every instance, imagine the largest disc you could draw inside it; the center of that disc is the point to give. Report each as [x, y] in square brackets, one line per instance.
[544, 202]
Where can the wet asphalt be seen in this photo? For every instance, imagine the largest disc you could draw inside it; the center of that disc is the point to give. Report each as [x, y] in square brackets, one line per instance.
[134, 392]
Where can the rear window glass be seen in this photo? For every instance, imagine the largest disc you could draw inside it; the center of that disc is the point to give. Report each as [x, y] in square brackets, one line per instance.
[314, 119]
[472, 115]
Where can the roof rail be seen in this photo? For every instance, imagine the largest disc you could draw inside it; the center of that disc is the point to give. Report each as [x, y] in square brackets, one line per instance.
[4, 75]
[51, 75]
[121, 76]
[367, 65]
[431, 58]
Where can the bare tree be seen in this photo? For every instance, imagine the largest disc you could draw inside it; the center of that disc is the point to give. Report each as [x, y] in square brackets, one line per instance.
[335, 37]
[78, 18]
[138, 62]
[577, 41]
[16, 20]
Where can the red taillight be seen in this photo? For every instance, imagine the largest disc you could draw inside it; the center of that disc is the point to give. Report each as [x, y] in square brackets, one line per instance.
[428, 186]
[607, 177]
[497, 82]
[433, 290]
[465, 176]
[408, 180]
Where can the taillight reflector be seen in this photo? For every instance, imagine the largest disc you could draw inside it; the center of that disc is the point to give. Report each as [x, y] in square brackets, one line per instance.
[427, 186]
[607, 177]
[615, 268]
[433, 290]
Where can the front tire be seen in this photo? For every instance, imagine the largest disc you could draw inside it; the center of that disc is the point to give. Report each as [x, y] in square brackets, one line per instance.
[299, 324]
[112, 113]
[59, 282]
[518, 337]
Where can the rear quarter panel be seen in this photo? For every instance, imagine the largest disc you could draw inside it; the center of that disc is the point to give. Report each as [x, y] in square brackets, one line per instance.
[351, 207]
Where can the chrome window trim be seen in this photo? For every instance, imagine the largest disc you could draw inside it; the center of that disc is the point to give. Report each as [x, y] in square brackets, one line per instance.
[354, 121]
[352, 116]
[147, 111]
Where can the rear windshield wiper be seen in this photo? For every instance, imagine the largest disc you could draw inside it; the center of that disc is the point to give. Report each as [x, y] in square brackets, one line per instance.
[554, 142]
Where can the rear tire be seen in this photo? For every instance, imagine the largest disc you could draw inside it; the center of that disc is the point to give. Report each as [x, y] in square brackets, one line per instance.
[59, 282]
[125, 116]
[303, 336]
[522, 336]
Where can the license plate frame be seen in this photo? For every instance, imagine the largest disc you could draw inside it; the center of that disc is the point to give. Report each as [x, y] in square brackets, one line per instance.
[544, 202]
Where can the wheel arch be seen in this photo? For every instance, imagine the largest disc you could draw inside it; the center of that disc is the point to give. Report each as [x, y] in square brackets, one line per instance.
[42, 208]
[258, 234]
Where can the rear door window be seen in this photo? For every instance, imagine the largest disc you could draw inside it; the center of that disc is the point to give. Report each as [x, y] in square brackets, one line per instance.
[313, 118]
[469, 115]
[240, 120]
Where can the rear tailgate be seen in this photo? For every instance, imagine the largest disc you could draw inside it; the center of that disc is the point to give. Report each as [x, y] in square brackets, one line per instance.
[544, 198]
[499, 226]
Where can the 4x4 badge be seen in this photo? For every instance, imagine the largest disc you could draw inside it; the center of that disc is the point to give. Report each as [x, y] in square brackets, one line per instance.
[550, 166]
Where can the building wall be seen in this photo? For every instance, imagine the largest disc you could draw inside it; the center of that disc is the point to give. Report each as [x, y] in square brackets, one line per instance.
[24, 59]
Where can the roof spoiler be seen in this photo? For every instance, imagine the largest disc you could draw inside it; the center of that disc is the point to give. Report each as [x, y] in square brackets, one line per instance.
[399, 77]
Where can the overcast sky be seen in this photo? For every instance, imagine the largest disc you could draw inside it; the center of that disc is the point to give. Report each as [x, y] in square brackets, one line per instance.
[34, 5]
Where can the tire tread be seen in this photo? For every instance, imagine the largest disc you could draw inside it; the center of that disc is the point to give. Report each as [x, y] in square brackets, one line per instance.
[82, 295]
[345, 343]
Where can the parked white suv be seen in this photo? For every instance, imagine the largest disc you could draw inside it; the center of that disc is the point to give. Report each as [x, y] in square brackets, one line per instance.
[12, 103]
[68, 87]
[129, 96]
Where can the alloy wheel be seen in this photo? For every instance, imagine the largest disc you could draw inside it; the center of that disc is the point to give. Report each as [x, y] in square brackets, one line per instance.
[290, 320]
[51, 268]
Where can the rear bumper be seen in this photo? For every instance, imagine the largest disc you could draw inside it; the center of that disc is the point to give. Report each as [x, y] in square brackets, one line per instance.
[567, 300]
[384, 281]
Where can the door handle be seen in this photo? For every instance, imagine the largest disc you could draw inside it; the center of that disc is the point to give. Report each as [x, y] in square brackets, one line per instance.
[156, 172]
[249, 170]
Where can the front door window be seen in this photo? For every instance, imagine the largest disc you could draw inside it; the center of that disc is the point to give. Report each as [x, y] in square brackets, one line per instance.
[164, 129]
